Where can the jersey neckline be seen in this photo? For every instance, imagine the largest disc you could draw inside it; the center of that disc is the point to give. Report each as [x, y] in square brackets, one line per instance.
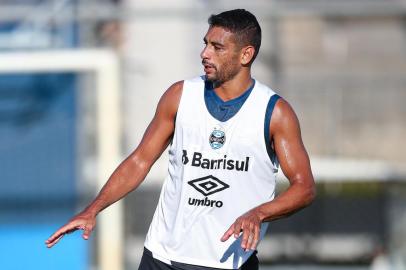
[209, 90]
[208, 87]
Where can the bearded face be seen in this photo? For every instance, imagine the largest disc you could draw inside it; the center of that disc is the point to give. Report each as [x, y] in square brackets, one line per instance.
[220, 56]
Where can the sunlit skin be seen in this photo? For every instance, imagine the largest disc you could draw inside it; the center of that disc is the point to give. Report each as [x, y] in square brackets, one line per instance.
[220, 56]
[227, 64]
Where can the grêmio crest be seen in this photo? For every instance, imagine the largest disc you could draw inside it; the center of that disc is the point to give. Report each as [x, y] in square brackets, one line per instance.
[217, 138]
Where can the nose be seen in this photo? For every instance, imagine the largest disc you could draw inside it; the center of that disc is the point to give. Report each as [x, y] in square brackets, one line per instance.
[204, 54]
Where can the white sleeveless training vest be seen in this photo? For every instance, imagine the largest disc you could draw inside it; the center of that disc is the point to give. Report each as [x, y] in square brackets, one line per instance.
[217, 172]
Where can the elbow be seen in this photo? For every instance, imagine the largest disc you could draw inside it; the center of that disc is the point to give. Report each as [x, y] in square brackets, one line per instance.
[306, 189]
[139, 164]
[309, 195]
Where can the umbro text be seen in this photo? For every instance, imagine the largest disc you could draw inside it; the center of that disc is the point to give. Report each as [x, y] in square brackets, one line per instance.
[205, 202]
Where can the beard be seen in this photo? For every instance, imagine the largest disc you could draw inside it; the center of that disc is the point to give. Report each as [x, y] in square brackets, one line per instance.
[222, 73]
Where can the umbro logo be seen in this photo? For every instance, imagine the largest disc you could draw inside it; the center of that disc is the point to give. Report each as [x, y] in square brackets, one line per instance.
[208, 185]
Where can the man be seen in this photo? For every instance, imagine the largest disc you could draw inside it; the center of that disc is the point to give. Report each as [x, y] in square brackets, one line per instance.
[227, 133]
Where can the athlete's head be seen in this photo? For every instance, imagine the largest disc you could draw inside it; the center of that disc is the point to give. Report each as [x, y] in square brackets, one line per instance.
[242, 24]
[232, 42]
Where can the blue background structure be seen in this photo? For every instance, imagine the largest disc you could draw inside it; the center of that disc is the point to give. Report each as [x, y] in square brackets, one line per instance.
[37, 171]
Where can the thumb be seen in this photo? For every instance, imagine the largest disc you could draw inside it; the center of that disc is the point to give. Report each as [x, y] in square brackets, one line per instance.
[86, 233]
[227, 234]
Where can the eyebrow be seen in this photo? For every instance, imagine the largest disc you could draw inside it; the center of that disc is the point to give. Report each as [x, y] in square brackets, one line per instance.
[213, 42]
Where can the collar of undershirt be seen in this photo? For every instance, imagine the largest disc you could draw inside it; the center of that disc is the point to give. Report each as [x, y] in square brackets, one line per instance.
[210, 92]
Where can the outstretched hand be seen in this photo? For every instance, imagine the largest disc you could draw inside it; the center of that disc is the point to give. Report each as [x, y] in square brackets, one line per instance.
[249, 225]
[82, 221]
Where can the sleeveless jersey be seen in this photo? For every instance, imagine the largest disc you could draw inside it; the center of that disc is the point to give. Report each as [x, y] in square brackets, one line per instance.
[217, 172]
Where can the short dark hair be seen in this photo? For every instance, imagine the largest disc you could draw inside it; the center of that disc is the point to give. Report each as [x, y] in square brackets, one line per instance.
[243, 24]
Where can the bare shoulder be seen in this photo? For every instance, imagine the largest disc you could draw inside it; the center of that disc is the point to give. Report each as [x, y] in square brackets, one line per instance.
[283, 118]
[175, 90]
[170, 100]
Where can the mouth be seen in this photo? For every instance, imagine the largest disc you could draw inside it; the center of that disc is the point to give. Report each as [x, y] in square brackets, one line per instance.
[208, 67]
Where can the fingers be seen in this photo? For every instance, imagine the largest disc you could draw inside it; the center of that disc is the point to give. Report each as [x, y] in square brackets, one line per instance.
[255, 238]
[235, 229]
[250, 233]
[228, 233]
[247, 235]
[252, 237]
[68, 228]
[51, 241]
[51, 244]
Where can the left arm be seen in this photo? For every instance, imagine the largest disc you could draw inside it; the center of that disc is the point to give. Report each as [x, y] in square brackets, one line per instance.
[295, 164]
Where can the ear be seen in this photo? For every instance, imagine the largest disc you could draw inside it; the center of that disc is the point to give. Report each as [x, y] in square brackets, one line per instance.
[247, 54]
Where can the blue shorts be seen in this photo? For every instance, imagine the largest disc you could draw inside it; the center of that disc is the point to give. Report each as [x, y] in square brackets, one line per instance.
[148, 262]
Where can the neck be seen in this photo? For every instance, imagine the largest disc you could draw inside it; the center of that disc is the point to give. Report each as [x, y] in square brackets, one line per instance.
[235, 87]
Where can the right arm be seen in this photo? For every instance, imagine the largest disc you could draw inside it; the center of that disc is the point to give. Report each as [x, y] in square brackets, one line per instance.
[133, 170]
